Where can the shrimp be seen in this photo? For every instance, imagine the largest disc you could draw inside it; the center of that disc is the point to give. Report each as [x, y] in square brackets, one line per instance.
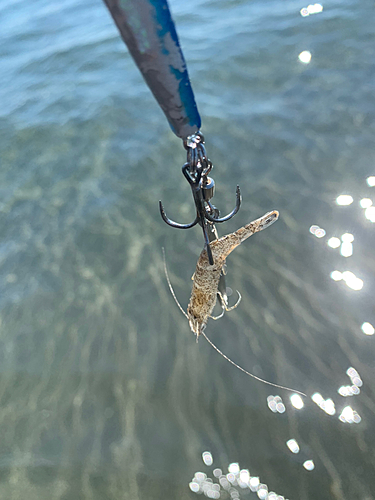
[206, 282]
[206, 277]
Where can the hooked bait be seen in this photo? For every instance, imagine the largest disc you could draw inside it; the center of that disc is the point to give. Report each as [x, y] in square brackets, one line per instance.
[206, 277]
[206, 281]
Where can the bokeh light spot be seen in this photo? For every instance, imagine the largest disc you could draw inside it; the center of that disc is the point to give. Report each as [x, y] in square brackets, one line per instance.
[309, 465]
[296, 401]
[317, 231]
[370, 214]
[234, 468]
[320, 233]
[367, 328]
[317, 398]
[194, 486]
[254, 483]
[346, 249]
[344, 199]
[336, 275]
[311, 9]
[305, 57]
[347, 238]
[207, 458]
[275, 404]
[262, 491]
[349, 416]
[334, 242]
[352, 281]
[354, 376]
[326, 405]
[293, 445]
[365, 202]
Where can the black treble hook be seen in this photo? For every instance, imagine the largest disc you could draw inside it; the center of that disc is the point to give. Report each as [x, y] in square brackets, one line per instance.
[202, 189]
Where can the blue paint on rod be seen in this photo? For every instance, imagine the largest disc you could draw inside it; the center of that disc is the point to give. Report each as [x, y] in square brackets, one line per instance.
[148, 30]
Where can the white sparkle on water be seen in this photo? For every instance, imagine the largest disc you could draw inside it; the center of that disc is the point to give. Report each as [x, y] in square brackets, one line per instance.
[293, 445]
[344, 199]
[334, 242]
[311, 9]
[336, 275]
[352, 281]
[367, 328]
[349, 416]
[370, 214]
[309, 465]
[347, 238]
[365, 202]
[234, 468]
[207, 458]
[305, 57]
[296, 401]
[346, 249]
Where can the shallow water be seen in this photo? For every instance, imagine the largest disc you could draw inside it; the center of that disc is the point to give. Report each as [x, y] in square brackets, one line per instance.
[104, 392]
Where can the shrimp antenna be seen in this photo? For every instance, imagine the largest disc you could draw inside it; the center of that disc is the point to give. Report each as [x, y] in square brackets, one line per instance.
[171, 288]
[214, 346]
[245, 371]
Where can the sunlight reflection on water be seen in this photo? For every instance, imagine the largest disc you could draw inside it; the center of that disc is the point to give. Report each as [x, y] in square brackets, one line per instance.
[367, 328]
[311, 9]
[346, 245]
[293, 445]
[102, 392]
[237, 479]
[234, 483]
[297, 401]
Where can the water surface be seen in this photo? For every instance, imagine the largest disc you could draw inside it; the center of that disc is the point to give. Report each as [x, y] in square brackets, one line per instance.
[104, 392]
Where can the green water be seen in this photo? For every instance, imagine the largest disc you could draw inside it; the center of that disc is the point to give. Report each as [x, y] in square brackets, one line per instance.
[104, 392]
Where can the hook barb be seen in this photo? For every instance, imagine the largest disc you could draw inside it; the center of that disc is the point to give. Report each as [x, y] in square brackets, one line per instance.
[229, 216]
[196, 171]
[175, 224]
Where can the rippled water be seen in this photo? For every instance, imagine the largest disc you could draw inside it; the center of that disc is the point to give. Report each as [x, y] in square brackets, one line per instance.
[104, 392]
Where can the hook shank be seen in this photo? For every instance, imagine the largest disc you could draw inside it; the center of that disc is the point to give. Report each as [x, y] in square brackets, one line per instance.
[196, 172]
